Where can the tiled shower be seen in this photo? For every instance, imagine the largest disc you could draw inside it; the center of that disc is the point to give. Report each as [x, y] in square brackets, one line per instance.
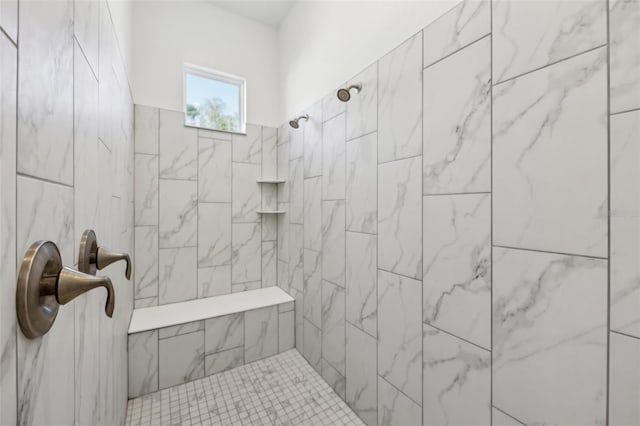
[461, 237]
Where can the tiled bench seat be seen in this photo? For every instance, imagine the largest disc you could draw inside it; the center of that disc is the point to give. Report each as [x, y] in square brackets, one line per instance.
[176, 343]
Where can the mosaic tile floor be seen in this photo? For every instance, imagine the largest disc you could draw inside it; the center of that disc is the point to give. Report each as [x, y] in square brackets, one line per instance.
[280, 390]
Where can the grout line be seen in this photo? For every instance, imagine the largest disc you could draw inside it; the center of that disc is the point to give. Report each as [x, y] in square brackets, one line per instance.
[624, 334]
[400, 159]
[457, 193]
[549, 252]
[623, 111]
[419, 404]
[15, 44]
[491, 242]
[508, 415]
[456, 336]
[400, 275]
[448, 55]
[608, 167]
[53, 182]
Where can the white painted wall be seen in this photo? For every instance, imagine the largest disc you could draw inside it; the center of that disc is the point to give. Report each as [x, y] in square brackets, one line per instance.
[324, 43]
[166, 34]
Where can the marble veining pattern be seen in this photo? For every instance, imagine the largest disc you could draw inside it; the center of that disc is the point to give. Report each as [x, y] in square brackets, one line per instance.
[624, 33]
[333, 241]
[333, 159]
[146, 262]
[362, 109]
[246, 255]
[313, 213]
[312, 139]
[361, 191]
[214, 234]
[361, 374]
[248, 148]
[260, 333]
[178, 201]
[214, 170]
[178, 147]
[312, 294]
[246, 194]
[333, 326]
[177, 265]
[394, 408]
[146, 189]
[361, 279]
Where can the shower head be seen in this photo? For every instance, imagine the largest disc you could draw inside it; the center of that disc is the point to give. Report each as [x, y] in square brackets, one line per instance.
[344, 95]
[294, 123]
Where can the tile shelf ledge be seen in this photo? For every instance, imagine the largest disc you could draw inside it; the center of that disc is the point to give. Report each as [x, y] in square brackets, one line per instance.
[270, 180]
[271, 212]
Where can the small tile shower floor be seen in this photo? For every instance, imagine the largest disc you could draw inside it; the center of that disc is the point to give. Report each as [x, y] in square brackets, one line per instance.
[280, 390]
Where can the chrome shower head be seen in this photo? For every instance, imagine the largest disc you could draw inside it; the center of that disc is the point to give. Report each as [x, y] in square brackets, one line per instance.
[344, 95]
[295, 122]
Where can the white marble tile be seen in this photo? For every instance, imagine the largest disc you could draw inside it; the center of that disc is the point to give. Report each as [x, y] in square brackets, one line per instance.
[624, 381]
[214, 234]
[296, 142]
[333, 325]
[499, 418]
[8, 114]
[214, 134]
[214, 170]
[313, 213]
[522, 44]
[269, 195]
[625, 223]
[223, 361]
[549, 310]
[312, 140]
[246, 193]
[249, 285]
[181, 359]
[286, 307]
[286, 330]
[400, 101]
[334, 159]
[332, 106]
[457, 265]
[106, 76]
[248, 148]
[395, 408]
[457, 122]
[362, 184]
[270, 226]
[296, 194]
[146, 130]
[624, 50]
[296, 260]
[87, 310]
[312, 295]
[146, 189]
[399, 218]
[214, 281]
[143, 363]
[333, 377]
[86, 29]
[299, 320]
[9, 18]
[400, 333]
[312, 345]
[146, 262]
[269, 152]
[362, 375]
[178, 147]
[269, 264]
[177, 330]
[283, 172]
[45, 85]
[542, 122]
[283, 233]
[178, 204]
[456, 381]
[245, 252]
[178, 279]
[462, 25]
[362, 109]
[222, 333]
[260, 333]
[333, 241]
[362, 263]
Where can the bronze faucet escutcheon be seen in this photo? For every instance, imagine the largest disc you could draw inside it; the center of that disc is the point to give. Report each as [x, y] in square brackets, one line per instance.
[92, 257]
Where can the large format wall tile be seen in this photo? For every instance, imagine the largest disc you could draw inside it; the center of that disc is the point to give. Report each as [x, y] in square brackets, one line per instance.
[313, 213]
[333, 326]
[146, 262]
[312, 294]
[521, 43]
[269, 264]
[223, 361]
[214, 281]
[399, 217]
[248, 148]
[457, 265]
[178, 279]
[541, 123]
[332, 106]
[362, 374]
[214, 170]
[246, 263]
[549, 310]
[296, 192]
[625, 223]
[333, 241]
[181, 359]
[286, 330]
[295, 256]
[457, 122]
[395, 408]
[312, 345]
[362, 109]
[178, 213]
[361, 279]
[260, 333]
[146, 189]
[333, 159]
[461, 26]
[624, 50]
[178, 147]
[500, 418]
[333, 377]
[624, 380]
[143, 363]
[456, 381]
[312, 137]
[214, 234]
[400, 101]
[45, 110]
[400, 333]
[269, 152]
[9, 20]
[222, 333]
[247, 197]
[361, 184]
[146, 130]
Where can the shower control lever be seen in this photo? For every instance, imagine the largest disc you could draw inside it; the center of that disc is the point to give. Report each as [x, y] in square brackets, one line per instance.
[44, 284]
[92, 257]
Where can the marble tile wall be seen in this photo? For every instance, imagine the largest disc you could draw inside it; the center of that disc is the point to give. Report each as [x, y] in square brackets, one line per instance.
[197, 228]
[66, 162]
[471, 230]
[169, 356]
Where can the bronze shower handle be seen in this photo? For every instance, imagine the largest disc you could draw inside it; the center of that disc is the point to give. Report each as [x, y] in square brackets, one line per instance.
[91, 257]
[105, 257]
[71, 284]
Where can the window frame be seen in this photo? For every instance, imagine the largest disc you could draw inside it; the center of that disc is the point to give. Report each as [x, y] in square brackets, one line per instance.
[218, 76]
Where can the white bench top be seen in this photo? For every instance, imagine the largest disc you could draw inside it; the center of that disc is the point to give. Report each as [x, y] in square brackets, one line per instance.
[154, 317]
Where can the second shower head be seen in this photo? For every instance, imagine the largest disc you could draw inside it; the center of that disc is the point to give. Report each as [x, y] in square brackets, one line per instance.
[344, 95]
[295, 122]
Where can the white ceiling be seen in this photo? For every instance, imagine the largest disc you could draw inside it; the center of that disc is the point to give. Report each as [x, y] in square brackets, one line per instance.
[270, 12]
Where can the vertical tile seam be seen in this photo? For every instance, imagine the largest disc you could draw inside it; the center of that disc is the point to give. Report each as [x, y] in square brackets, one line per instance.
[608, 166]
[491, 85]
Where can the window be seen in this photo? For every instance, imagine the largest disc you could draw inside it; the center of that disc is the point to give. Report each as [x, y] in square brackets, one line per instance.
[214, 100]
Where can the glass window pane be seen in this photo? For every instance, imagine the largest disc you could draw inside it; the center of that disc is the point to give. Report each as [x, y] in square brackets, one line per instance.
[212, 104]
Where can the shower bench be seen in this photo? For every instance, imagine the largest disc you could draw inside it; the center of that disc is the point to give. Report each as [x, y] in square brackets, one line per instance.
[179, 342]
